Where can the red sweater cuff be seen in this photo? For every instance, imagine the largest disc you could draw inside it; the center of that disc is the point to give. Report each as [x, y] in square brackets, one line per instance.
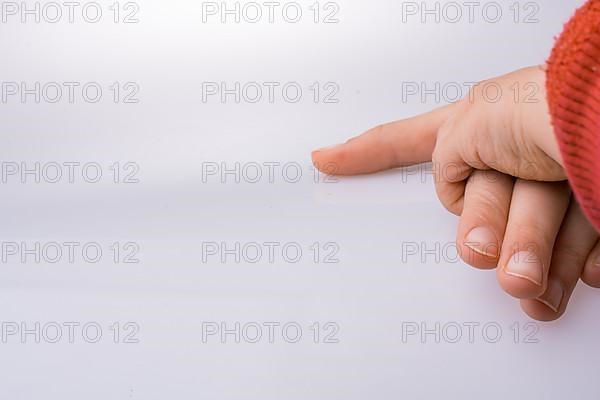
[573, 86]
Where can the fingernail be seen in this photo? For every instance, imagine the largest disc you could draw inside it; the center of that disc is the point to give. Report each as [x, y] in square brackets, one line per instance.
[482, 241]
[526, 265]
[553, 296]
[329, 147]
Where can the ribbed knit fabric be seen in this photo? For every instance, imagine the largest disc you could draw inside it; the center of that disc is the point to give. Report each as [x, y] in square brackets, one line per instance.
[573, 85]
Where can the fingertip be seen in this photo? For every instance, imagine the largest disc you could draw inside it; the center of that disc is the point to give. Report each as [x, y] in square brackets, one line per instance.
[322, 158]
[480, 246]
[540, 311]
[315, 156]
[591, 271]
[591, 281]
[476, 257]
[591, 276]
[519, 285]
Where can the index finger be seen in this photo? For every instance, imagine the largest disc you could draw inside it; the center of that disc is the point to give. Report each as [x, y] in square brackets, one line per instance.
[396, 144]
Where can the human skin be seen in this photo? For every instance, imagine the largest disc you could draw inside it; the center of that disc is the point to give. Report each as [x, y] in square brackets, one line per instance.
[498, 166]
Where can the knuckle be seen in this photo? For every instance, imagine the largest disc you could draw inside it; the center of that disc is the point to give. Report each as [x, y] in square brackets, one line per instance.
[489, 205]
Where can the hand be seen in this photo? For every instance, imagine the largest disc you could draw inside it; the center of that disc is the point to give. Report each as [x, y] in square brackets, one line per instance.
[546, 243]
[540, 240]
[502, 125]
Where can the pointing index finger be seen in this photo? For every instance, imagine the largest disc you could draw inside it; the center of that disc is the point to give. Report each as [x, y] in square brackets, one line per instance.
[396, 144]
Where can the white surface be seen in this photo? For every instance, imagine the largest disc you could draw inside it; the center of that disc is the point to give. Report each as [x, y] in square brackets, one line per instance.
[369, 294]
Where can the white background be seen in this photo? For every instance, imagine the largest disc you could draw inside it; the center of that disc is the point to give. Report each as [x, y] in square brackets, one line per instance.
[171, 134]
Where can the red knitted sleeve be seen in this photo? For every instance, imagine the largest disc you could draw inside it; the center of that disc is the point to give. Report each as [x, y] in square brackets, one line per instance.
[573, 86]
